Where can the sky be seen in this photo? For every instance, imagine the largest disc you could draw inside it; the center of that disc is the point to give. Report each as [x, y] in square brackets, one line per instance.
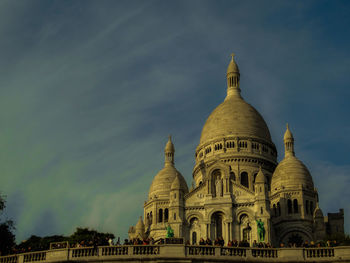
[90, 91]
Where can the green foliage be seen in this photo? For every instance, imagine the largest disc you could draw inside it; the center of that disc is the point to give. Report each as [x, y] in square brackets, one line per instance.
[35, 243]
[7, 238]
[82, 236]
[89, 237]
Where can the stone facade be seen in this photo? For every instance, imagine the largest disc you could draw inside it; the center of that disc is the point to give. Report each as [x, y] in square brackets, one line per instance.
[237, 181]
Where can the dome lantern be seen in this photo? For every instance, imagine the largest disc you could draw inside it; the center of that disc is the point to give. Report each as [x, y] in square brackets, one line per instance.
[169, 152]
[288, 143]
[233, 78]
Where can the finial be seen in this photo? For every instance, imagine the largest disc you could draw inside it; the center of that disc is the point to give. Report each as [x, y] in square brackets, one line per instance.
[232, 55]
[169, 137]
[287, 126]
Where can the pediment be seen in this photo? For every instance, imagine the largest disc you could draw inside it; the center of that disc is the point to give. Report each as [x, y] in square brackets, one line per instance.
[241, 194]
[197, 195]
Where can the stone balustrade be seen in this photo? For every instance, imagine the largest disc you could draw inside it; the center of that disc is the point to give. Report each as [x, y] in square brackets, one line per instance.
[83, 252]
[180, 253]
[9, 259]
[233, 251]
[145, 250]
[265, 252]
[200, 250]
[114, 251]
[35, 256]
[319, 252]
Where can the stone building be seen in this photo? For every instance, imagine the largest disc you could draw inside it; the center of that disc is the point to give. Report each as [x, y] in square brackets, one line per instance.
[237, 181]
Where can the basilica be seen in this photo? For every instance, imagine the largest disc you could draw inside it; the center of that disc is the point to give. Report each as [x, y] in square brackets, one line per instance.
[239, 188]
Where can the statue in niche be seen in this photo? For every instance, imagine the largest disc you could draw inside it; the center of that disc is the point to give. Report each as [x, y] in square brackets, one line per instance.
[218, 186]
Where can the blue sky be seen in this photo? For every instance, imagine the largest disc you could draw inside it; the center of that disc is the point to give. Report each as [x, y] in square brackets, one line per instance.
[90, 91]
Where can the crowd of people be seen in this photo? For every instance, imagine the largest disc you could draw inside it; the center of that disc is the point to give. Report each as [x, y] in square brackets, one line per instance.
[231, 243]
[150, 241]
[311, 244]
[138, 241]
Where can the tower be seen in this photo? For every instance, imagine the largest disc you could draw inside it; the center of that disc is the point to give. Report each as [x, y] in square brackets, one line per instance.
[293, 197]
[161, 205]
[262, 205]
[176, 207]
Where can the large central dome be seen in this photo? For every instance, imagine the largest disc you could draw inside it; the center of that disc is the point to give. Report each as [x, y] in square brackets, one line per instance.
[237, 118]
[234, 117]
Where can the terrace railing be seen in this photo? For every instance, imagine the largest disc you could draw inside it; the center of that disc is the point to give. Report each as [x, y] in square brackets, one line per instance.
[174, 252]
[319, 252]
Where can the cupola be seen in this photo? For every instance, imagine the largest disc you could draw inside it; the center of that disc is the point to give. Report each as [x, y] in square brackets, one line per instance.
[161, 184]
[290, 173]
[233, 78]
[288, 143]
[169, 152]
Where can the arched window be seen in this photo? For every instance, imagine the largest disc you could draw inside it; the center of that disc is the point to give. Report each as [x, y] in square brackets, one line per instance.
[279, 208]
[311, 207]
[295, 206]
[244, 179]
[307, 206]
[289, 205]
[160, 215]
[151, 217]
[174, 216]
[230, 144]
[166, 215]
[194, 238]
[261, 210]
[274, 210]
[233, 176]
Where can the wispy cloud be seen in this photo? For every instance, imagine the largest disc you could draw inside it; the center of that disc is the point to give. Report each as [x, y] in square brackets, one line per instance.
[89, 93]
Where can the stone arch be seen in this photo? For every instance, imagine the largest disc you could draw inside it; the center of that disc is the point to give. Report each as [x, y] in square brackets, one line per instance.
[166, 215]
[194, 227]
[244, 211]
[244, 179]
[245, 228]
[194, 214]
[225, 169]
[210, 214]
[303, 232]
[224, 183]
[160, 215]
[217, 225]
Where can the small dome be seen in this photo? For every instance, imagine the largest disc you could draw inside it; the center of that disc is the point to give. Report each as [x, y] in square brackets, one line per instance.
[162, 182]
[235, 117]
[291, 173]
[260, 178]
